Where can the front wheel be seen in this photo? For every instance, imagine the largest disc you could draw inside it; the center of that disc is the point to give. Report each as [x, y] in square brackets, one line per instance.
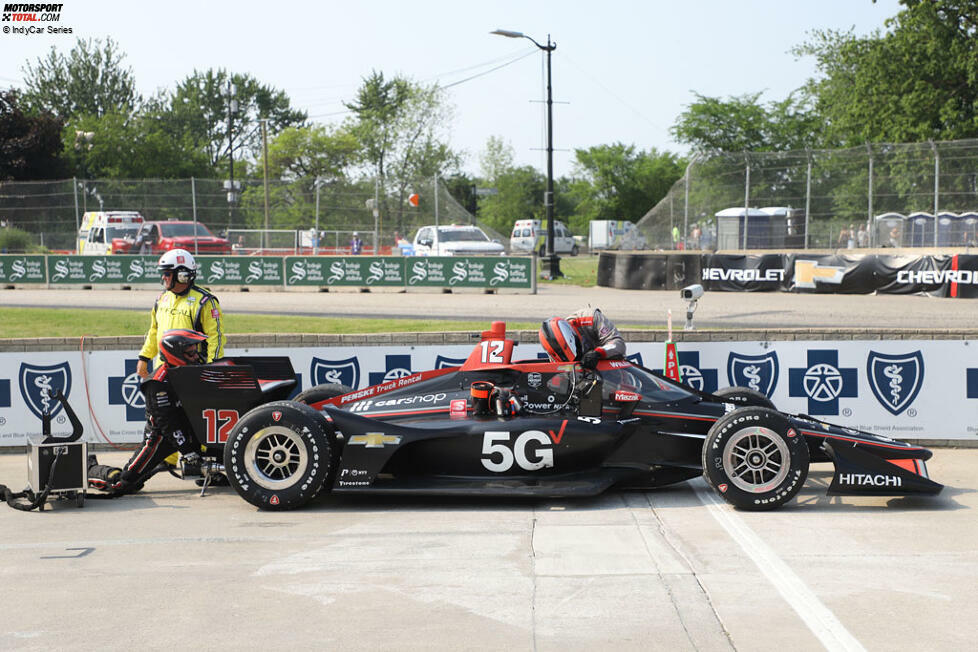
[754, 459]
[744, 397]
[277, 456]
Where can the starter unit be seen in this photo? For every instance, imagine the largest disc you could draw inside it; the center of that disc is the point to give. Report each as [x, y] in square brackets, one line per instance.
[70, 473]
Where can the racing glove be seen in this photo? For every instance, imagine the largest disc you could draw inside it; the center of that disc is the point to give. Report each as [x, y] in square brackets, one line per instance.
[590, 359]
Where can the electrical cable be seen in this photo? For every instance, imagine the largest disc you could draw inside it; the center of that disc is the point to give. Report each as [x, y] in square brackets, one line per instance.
[88, 397]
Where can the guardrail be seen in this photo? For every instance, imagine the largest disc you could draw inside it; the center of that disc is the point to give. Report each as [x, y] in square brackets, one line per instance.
[486, 272]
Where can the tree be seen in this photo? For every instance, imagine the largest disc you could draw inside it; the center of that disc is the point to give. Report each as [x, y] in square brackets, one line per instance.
[312, 152]
[916, 82]
[29, 145]
[614, 182]
[198, 110]
[519, 197]
[496, 159]
[742, 123]
[91, 80]
[402, 129]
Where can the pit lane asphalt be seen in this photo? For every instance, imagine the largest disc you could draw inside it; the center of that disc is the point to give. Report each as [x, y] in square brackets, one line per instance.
[626, 307]
[665, 569]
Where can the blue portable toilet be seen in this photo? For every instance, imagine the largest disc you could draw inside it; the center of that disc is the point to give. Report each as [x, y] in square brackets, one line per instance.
[946, 227]
[890, 229]
[732, 227]
[966, 230]
[920, 230]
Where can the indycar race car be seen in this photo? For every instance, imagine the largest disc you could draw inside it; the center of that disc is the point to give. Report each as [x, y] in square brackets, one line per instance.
[495, 426]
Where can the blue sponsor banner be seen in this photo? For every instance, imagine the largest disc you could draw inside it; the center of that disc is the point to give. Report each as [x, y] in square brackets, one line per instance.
[823, 382]
[696, 375]
[757, 372]
[895, 379]
[343, 372]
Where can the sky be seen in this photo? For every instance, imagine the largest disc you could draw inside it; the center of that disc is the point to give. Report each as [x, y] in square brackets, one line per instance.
[623, 71]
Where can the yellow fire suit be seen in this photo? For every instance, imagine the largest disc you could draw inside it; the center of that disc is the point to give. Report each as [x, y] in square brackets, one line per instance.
[197, 309]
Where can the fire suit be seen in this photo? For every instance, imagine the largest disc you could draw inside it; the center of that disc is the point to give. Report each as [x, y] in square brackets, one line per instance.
[597, 333]
[197, 309]
[167, 431]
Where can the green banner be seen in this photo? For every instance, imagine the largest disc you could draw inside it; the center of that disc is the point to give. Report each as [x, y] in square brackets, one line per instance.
[470, 272]
[239, 270]
[84, 270]
[326, 271]
[22, 269]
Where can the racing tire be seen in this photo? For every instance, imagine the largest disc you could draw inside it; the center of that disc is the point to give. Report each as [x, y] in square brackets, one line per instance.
[575, 250]
[744, 397]
[754, 459]
[322, 392]
[277, 456]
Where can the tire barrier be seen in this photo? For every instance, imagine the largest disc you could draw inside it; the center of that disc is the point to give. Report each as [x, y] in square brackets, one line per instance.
[942, 275]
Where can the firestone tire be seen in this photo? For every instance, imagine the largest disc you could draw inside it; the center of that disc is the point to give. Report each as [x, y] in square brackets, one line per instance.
[754, 459]
[322, 392]
[277, 456]
[744, 397]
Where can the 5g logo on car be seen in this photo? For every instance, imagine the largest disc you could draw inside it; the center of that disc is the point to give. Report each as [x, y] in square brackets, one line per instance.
[499, 455]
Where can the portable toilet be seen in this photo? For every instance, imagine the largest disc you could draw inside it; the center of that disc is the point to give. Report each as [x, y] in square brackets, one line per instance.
[966, 230]
[920, 230]
[890, 229]
[737, 228]
[946, 228]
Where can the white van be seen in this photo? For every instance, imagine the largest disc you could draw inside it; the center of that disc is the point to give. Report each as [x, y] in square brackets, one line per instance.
[98, 228]
[614, 234]
[455, 240]
[530, 236]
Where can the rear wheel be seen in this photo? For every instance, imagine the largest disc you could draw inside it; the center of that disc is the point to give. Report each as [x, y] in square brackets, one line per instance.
[754, 459]
[277, 456]
[744, 396]
[322, 392]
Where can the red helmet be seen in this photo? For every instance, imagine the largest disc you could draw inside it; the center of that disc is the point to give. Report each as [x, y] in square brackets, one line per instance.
[560, 340]
[181, 346]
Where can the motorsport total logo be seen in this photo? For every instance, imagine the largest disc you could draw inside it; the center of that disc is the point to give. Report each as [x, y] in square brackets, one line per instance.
[25, 17]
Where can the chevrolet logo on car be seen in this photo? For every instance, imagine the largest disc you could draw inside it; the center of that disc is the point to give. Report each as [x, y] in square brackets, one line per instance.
[375, 440]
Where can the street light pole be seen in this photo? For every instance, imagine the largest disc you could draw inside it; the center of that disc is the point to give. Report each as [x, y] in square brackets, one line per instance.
[548, 198]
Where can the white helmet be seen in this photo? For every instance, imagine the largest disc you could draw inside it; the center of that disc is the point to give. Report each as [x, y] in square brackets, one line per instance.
[181, 261]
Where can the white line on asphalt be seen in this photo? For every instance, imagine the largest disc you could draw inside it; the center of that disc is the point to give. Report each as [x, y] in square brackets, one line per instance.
[818, 617]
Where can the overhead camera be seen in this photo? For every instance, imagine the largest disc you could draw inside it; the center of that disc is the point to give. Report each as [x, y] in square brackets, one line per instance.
[691, 294]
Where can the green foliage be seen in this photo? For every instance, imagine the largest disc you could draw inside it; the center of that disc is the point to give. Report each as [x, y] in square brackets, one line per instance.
[15, 241]
[916, 82]
[89, 81]
[520, 197]
[29, 145]
[312, 152]
[614, 182]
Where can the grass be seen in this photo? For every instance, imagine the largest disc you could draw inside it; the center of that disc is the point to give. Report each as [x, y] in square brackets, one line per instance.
[577, 270]
[64, 322]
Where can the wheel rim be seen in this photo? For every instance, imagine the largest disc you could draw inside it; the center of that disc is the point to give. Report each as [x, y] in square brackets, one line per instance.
[276, 458]
[756, 459]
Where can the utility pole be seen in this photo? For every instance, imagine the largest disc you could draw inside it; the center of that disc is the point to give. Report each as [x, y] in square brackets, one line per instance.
[264, 139]
[229, 91]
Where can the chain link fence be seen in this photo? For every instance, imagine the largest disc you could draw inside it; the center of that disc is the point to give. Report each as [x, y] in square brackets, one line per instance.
[880, 195]
[50, 211]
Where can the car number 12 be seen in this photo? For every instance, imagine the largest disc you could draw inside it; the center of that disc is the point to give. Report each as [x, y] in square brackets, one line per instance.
[495, 355]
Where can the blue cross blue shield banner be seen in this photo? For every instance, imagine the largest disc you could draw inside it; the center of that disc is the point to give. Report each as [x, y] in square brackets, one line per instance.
[443, 362]
[345, 372]
[38, 384]
[895, 379]
[758, 372]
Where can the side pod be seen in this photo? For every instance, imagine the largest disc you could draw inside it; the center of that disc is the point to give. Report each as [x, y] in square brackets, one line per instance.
[858, 471]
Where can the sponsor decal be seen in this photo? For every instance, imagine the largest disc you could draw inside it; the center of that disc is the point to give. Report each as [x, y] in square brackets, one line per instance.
[971, 380]
[870, 480]
[397, 366]
[443, 362]
[808, 273]
[705, 380]
[38, 384]
[276, 416]
[458, 406]
[374, 440]
[758, 372]
[937, 276]
[423, 399]
[743, 275]
[273, 500]
[4, 392]
[722, 487]
[534, 379]
[895, 379]
[345, 372]
[626, 396]
[124, 390]
[823, 382]
[499, 455]
[635, 358]
[556, 437]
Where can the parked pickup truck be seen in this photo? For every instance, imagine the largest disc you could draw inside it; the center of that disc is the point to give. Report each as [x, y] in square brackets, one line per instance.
[157, 237]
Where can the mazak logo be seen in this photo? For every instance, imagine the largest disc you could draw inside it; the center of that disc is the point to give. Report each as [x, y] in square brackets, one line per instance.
[38, 384]
[397, 366]
[895, 379]
[443, 362]
[344, 372]
[823, 382]
[298, 272]
[136, 270]
[757, 372]
[255, 272]
[124, 390]
[704, 380]
[808, 273]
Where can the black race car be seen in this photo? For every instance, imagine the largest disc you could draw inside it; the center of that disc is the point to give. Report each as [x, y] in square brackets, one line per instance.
[495, 426]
